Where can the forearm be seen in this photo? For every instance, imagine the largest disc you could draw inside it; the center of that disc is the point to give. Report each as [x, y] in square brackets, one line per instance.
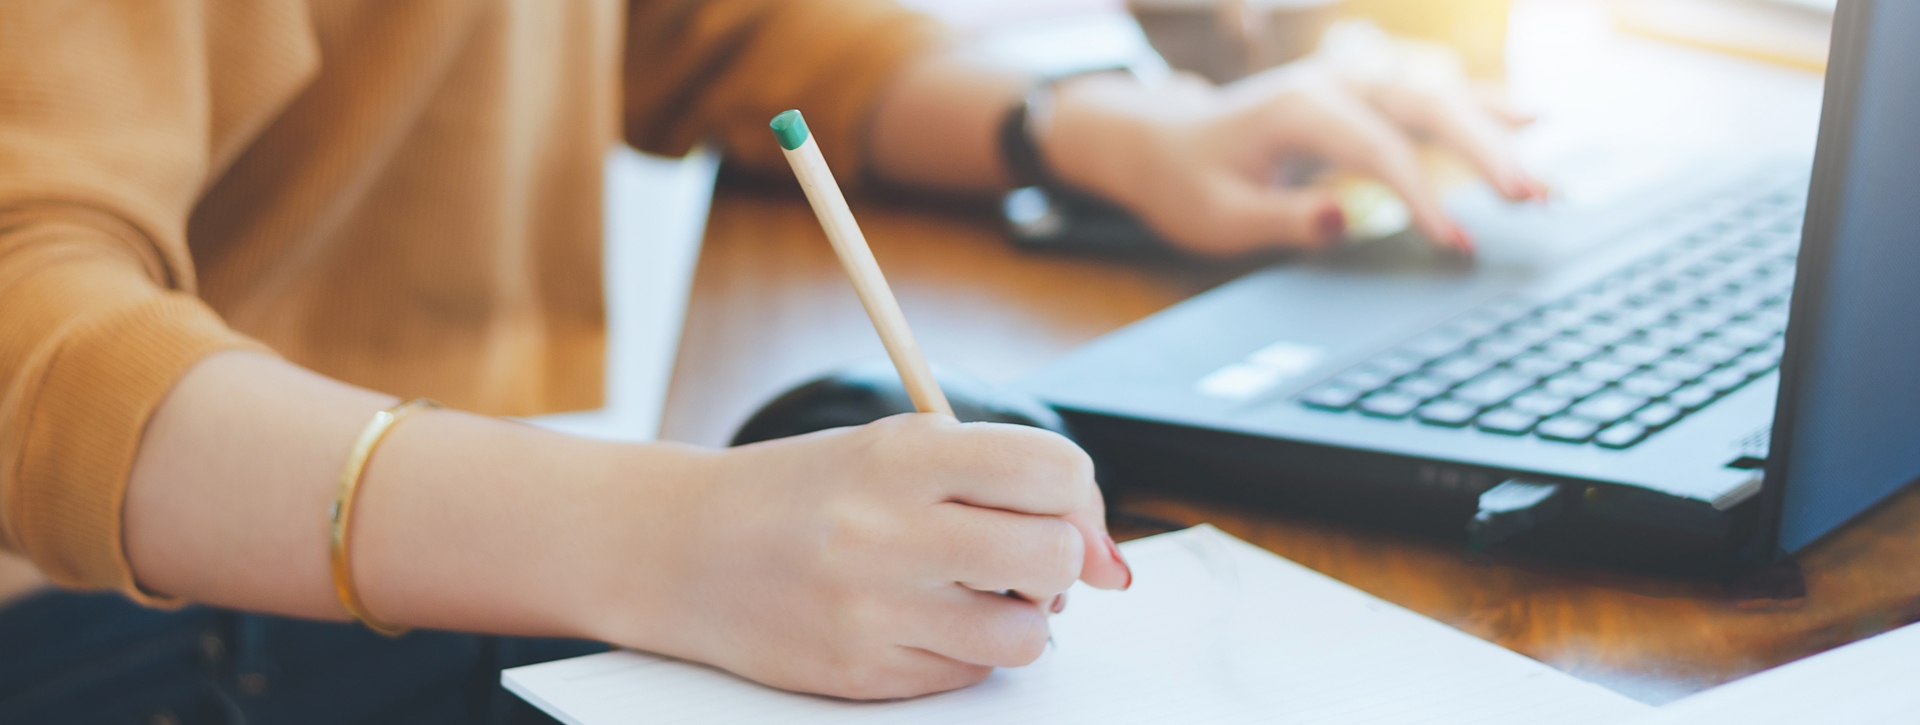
[462, 521]
[860, 562]
[937, 125]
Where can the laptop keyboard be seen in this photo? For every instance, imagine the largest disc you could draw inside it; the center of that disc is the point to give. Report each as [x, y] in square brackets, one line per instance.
[1610, 364]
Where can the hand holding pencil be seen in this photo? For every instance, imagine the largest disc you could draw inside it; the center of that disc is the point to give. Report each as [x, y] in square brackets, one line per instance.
[1103, 558]
[869, 561]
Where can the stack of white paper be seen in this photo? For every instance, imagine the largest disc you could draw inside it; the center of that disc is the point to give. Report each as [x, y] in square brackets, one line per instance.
[1214, 630]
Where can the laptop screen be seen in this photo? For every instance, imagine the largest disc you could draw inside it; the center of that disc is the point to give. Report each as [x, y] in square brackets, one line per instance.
[1847, 430]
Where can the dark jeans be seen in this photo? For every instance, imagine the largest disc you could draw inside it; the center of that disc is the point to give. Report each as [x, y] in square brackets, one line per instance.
[98, 658]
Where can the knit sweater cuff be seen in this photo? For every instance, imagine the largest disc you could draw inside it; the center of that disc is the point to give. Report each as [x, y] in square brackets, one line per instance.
[84, 427]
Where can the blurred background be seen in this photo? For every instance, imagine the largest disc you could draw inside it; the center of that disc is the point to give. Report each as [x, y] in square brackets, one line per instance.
[1219, 37]
[1558, 57]
[1668, 79]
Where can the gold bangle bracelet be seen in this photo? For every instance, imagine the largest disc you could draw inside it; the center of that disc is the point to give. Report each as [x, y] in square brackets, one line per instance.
[342, 512]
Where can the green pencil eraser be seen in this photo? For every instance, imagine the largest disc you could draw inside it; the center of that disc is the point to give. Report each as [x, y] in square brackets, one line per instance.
[790, 128]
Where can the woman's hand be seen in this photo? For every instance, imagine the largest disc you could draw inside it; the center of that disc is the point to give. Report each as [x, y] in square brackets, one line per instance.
[868, 562]
[1201, 164]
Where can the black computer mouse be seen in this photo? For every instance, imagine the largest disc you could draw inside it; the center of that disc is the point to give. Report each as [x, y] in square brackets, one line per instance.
[869, 390]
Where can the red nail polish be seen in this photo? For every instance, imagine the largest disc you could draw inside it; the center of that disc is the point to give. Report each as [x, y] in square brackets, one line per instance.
[1331, 224]
[1462, 241]
[1059, 603]
[1113, 550]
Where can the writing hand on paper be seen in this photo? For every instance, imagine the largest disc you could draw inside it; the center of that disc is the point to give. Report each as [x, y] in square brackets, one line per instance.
[1202, 164]
[867, 562]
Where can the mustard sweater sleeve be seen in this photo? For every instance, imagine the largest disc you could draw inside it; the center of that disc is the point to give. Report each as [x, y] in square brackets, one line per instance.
[721, 69]
[110, 124]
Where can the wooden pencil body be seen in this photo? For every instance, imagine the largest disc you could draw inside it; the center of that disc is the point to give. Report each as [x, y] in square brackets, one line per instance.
[851, 247]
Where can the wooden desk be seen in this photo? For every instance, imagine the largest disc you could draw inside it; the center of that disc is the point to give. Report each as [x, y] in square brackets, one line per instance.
[770, 308]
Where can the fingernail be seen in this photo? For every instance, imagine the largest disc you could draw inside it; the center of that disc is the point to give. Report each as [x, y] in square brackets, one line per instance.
[1331, 223]
[1462, 241]
[1515, 188]
[1059, 603]
[1113, 550]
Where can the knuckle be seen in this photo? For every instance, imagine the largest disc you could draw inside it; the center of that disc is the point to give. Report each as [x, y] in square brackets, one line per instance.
[1045, 559]
[1029, 641]
[1063, 470]
[1060, 456]
[897, 447]
[885, 426]
[1079, 465]
[903, 432]
[1063, 557]
[1032, 451]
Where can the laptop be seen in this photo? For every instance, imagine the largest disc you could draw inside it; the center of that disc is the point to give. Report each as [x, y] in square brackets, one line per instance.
[1704, 374]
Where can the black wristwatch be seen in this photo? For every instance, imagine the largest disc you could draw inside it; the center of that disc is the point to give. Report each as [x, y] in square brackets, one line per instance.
[1042, 212]
[1019, 144]
[1019, 148]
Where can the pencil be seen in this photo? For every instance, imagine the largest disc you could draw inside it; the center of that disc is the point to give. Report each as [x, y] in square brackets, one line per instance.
[851, 246]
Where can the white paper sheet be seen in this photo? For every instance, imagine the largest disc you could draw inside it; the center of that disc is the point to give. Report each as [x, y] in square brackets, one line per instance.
[1874, 681]
[1214, 630]
[656, 216]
